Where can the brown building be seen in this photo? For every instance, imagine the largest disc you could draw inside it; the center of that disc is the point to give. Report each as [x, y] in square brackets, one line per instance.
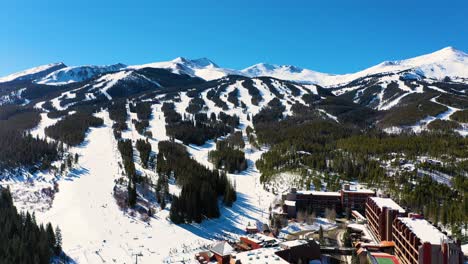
[311, 200]
[222, 252]
[418, 242]
[353, 198]
[380, 214]
[300, 251]
[349, 197]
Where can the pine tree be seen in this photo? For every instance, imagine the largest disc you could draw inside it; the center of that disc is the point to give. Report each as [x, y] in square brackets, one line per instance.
[58, 241]
[321, 238]
[50, 235]
[132, 195]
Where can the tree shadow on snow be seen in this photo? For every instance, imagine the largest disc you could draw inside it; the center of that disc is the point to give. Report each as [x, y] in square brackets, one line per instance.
[76, 173]
[232, 220]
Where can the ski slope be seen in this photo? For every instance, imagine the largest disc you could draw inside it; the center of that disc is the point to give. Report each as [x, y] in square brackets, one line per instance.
[95, 230]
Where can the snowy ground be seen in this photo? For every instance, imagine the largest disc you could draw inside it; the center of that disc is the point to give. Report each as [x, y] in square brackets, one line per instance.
[45, 122]
[95, 230]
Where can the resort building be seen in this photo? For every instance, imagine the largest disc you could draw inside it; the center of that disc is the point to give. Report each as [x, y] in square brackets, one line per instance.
[353, 198]
[350, 197]
[380, 214]
[418, 242]
[311, 200]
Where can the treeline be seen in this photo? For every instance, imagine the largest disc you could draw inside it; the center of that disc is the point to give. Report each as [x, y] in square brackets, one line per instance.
[199, 128]
[72, 129]
[126, 151]
[304, 143]
[118, 113]
[201, 187]
[143, 111]
[412, 109]
[215, 96]
[233, 97]
[460, 116]
[253, 91]
[22, 240]
[438, 202]
[196, 105]
[296, 145]
[19, 118]
[443, 125]
[22, 149]
[18, 147]
[271, 113]
[228, 155]
[412, 145]
[144, 147]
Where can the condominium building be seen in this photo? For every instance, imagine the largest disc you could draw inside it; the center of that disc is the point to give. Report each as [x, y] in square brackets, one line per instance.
[418, 242]
[353, 198]
[350, 197]
[380, 214]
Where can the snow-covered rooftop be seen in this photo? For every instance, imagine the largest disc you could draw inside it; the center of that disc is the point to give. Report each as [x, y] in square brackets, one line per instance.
[261, 255]
[366, 234]
[222, 248]
[292, 243]
[387, 202]
[356, 189]
[320, 193]
[261, 238]
[424, 230]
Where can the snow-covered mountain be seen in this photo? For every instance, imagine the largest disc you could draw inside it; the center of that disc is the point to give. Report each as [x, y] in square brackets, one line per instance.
[381, 87]
[437, 65]
[202, 68]
[78, 73]
[406, 94]
[287, 72]
[33, 73]
[447, 62]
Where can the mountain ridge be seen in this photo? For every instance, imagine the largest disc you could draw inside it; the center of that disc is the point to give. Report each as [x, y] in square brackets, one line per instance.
[437, 65]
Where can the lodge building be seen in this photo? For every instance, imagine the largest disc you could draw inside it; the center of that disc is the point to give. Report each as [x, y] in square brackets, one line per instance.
[416, 241]
[419, 242]
[380, 214]
[350, 197]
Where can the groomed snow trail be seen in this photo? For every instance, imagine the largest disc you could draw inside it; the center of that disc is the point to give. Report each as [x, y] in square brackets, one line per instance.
[95, 230]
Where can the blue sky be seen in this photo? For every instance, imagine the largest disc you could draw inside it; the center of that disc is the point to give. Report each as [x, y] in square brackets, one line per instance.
[327, 36]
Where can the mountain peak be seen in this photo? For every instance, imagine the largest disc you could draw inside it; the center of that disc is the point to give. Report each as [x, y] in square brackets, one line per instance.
[266, 69]
[199, 63]
[204, 62]
[73, 74]
[33, 73]
[450, 52]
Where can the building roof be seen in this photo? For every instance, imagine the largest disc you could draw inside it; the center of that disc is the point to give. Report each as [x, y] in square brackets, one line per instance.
[292, 243]
[358, 215]
[260, 238]
[387, 202]
[320, 193]
[251, 226]
[261, 255]
[424, 230]
[355, 189]
[384, 258]
[222, 248]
